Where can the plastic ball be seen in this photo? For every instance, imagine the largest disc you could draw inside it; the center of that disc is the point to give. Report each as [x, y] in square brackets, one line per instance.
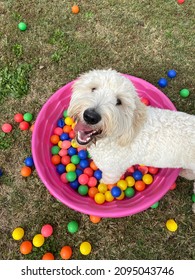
[88, 171]
[22, 26]
[147, 179]
[75, 184]
[92, 182]
[61, 123]
[193, 197]
[26, 247]
[155, 205]
[58, 131]
[75, 159]
[66, 252]
[162, 82]
[47, 230]
[184, 92]
[55, 150]
[70, 167]
[140, 186]
[153, 170]
[137, 175]
[83, 179]
[171, 225]
[108, 196]
[129, 192]
[73, 226]
[83, 190]
[18, 233]
[116, 191]
[63, 178]
[75, 9]
[1, 173]
[78, 172]
[130, 181]
[121, 196]
[63, 152]
[92, 192]
[54, 139]
[66, 144]
[99, 198]
[98, 174]
[93, 165]
[102, 188]
[72, 151]
[28, 117]
[60, 168]
[24, 125]
[29, 161]
[68, 121]
[18, 118]
[55, 159]
[94, 219]
[6, 127]
[67, 129]
[64, 136]
[38, 240]
[66, 160]
[65, 113]
[82, 154]
[173, 186]
[180, 1]
[84, 163]
[85, 248]
[122, 184]
[145, 101]
[172, 73]
[26, 171]
[48, 256]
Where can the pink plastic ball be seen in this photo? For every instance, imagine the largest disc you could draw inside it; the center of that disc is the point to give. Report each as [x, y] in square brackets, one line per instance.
[6, 127]
[63, 152]
[92, 182]
[65, 160]
[63, 178]
[83, 179]
[24, 125]
[72, 134]
[66, 144]
[58, 131]
[18, 118]
[131, 169]
[47, 230]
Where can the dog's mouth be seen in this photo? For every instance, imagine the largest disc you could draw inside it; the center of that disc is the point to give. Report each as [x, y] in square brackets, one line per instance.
[85, 133]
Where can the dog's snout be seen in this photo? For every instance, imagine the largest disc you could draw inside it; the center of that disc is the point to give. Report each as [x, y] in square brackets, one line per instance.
[91, 116]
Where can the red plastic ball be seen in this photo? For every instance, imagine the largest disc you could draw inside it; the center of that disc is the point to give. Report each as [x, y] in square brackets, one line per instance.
[65, 160]
[88, 171]
[58, 131]
[6, 127]
[92, 182]
[145, 101]
[47, 230]
[24, 125]
[180, 1]
[153, 170]
[18, 118]
[83, 179]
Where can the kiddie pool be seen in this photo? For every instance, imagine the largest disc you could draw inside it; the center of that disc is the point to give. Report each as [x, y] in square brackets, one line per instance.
[45, 123]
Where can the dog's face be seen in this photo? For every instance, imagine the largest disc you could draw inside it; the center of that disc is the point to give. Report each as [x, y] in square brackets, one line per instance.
[103, 104]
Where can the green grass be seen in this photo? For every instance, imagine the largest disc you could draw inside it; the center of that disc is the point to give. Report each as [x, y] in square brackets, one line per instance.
[142, 38]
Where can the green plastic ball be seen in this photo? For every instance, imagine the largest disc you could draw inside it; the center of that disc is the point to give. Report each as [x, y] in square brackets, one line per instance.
[193, 197]
[28, 117]
[65, 113]
[184, 92]
[71, 176]
[75, 159]
[155, 205]
[73, 226]
[129, 192]
[83, 190]
[55, 150]
[22, 26]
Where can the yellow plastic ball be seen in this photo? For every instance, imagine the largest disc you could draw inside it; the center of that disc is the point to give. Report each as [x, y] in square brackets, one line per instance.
[38, 240]
[74, 143]
[99, 198]
[121, 197]
[130, 181]
[73, 125]
[18, 233]
[147, 179]
[60, 144]
[85, 248]
[68, 121]
[122, 184]
[102, 188]
[171, 225]
[70, 167]
[109, 197]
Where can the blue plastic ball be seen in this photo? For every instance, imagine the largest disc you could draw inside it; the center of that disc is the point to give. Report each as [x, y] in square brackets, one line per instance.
[64, 136]
[61, 123]
[1, 173]
[97, 174]
[29, 162]
[60, 168]
[75, 184]
[84, 163]
[78, 172]
[172, 73]
[116, 191]
[82, 154]
[137, 175]
[162, 82]
[72, 151]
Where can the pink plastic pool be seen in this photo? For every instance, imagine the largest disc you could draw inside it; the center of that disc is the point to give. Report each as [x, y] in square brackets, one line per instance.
[41, 147]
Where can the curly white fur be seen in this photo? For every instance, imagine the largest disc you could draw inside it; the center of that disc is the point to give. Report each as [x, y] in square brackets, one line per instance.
[131, 133]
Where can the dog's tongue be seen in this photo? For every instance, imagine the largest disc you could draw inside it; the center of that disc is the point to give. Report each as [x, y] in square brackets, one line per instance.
[83, 130]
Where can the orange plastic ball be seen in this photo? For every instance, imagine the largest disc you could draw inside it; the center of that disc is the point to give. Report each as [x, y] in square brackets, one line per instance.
[66, 252]
[54, 139]
[94, 219]
[48, 256]
[32, 127]
[93, 166]
[56, 159]
[26, 171]
[92, 192]
[26, 247]
[67, 128]
[140, 186]
[75, 9]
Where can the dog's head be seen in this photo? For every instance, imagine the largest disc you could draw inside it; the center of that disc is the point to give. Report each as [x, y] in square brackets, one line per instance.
[104, 104]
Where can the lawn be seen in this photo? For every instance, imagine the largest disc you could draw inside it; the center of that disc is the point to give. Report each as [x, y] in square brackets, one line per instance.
[138, 37]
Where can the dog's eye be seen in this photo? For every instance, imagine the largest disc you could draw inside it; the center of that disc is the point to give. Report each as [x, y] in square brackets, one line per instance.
[118, 102]
[93, 89]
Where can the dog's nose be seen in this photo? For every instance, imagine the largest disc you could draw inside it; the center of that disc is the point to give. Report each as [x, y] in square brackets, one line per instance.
[91, 116]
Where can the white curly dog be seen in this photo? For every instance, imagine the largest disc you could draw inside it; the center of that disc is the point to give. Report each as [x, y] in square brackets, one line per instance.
[120, 131]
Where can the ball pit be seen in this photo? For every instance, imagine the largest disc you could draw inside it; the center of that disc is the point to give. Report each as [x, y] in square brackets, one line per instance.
[42, 150]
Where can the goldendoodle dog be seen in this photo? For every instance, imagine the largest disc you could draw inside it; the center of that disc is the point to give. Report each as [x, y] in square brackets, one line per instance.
[120, 131]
